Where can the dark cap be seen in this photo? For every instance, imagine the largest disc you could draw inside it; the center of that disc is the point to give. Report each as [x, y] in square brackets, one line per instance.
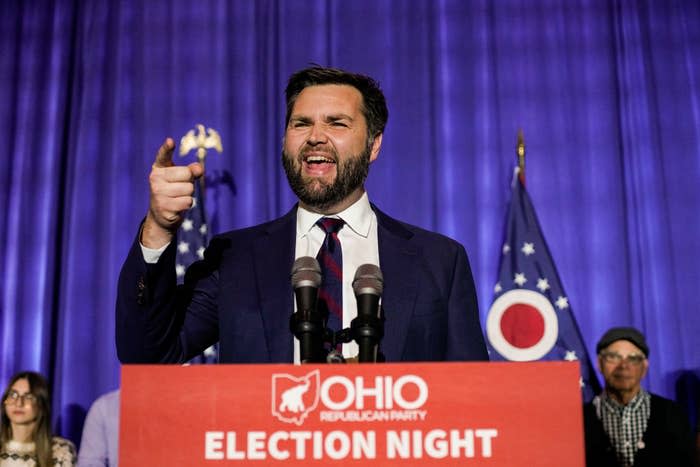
[622, 333]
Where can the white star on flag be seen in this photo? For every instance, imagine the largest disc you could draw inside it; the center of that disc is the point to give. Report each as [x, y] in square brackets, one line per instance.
[200, 252]
[562, 302]
[506, 249]
[542, 284]
[581, 383]
[187, 225]
[203, 229]
[183, 247]
[570, 356]
[519, 279]
[528, 249]
[179, 270]
[497, 288]
[194, 203]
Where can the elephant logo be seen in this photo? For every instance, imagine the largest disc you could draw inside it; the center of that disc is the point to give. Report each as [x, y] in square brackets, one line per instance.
[293, 398]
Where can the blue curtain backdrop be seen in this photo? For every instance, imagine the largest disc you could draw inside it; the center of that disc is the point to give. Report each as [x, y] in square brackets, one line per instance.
[605, 91]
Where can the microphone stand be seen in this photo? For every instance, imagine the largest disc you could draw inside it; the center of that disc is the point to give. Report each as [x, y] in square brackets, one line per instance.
[307, 326]
[367, 331]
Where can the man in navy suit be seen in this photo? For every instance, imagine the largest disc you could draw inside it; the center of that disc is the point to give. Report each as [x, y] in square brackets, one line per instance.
[241, 296]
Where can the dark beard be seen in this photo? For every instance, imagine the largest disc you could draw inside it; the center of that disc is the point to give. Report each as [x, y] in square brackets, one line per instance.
[350, 175]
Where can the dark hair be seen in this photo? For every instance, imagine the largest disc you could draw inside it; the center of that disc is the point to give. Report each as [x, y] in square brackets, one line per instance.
[373, 102]
[42, 432]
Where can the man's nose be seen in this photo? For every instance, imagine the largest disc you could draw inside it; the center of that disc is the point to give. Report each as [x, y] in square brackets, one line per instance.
[317, 135]
[624, 363]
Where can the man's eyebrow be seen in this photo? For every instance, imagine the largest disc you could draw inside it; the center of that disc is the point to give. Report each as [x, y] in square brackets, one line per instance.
[299, 118]
[327, 118]
[336, 117]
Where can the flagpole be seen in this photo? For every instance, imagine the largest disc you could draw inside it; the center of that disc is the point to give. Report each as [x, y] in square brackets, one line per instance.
[201, 157]
[520, 151]
[193, 234]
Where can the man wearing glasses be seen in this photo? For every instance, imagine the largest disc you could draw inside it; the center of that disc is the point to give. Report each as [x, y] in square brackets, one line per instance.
[626, 425]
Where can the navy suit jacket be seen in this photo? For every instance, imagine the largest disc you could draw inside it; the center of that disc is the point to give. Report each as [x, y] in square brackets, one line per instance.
[241, 296]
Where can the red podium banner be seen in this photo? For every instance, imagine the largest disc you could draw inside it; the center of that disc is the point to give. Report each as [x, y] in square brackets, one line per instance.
[487, 414]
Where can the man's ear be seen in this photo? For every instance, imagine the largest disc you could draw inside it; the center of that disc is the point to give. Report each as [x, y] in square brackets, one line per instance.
[376, 145]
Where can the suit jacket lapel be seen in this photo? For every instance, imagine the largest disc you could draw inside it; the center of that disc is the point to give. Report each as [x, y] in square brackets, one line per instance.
[397, 257]
[273, 257]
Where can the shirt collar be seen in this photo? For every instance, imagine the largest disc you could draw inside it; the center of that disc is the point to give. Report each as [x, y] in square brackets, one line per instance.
[641, 398]
[358, 217]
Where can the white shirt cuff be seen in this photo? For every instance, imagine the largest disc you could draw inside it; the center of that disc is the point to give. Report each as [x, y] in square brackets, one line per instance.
[150, 255]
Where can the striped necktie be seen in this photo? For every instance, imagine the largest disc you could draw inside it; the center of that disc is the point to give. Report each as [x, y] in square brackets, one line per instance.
[330, 258]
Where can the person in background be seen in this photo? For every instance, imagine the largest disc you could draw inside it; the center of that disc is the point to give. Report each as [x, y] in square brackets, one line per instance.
[99, 446]
[25, 431]
[626, 425]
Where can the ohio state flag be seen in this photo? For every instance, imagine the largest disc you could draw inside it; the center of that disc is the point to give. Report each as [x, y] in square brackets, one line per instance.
[531, 317]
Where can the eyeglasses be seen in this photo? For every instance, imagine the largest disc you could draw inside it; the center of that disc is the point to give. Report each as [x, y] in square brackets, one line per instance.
[13, 397]
[616, 358]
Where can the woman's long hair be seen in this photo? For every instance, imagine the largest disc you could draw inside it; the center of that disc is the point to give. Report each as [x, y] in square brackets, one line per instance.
[42, 431]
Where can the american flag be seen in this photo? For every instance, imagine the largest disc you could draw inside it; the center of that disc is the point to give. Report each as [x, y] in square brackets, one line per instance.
[531, 317]
[192, 239]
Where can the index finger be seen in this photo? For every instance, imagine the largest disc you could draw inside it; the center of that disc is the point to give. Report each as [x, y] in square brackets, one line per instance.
[164, 156]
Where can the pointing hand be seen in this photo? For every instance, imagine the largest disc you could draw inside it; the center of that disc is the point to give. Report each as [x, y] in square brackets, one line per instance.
[171, 195]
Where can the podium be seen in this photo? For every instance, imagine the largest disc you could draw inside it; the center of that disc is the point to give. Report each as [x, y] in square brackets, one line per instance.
[412, 414]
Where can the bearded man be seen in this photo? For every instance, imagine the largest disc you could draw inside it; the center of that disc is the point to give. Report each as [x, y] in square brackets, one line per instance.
[241, 296]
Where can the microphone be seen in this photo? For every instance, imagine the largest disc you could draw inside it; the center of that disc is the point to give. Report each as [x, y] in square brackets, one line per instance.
[368, 327]
[306, 323]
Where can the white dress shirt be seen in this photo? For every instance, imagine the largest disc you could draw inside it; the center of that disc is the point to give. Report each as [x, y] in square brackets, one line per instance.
[360, 245]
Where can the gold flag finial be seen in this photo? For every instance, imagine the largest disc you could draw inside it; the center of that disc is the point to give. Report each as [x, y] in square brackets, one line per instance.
[521, 155]
[201, 141]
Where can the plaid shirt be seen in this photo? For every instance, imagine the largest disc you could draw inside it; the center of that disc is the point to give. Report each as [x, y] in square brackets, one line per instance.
[624, 424]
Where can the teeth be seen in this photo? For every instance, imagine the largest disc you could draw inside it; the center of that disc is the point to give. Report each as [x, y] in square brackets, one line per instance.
[318, 159]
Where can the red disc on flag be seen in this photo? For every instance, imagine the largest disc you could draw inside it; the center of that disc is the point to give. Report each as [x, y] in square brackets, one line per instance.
[522, 325]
